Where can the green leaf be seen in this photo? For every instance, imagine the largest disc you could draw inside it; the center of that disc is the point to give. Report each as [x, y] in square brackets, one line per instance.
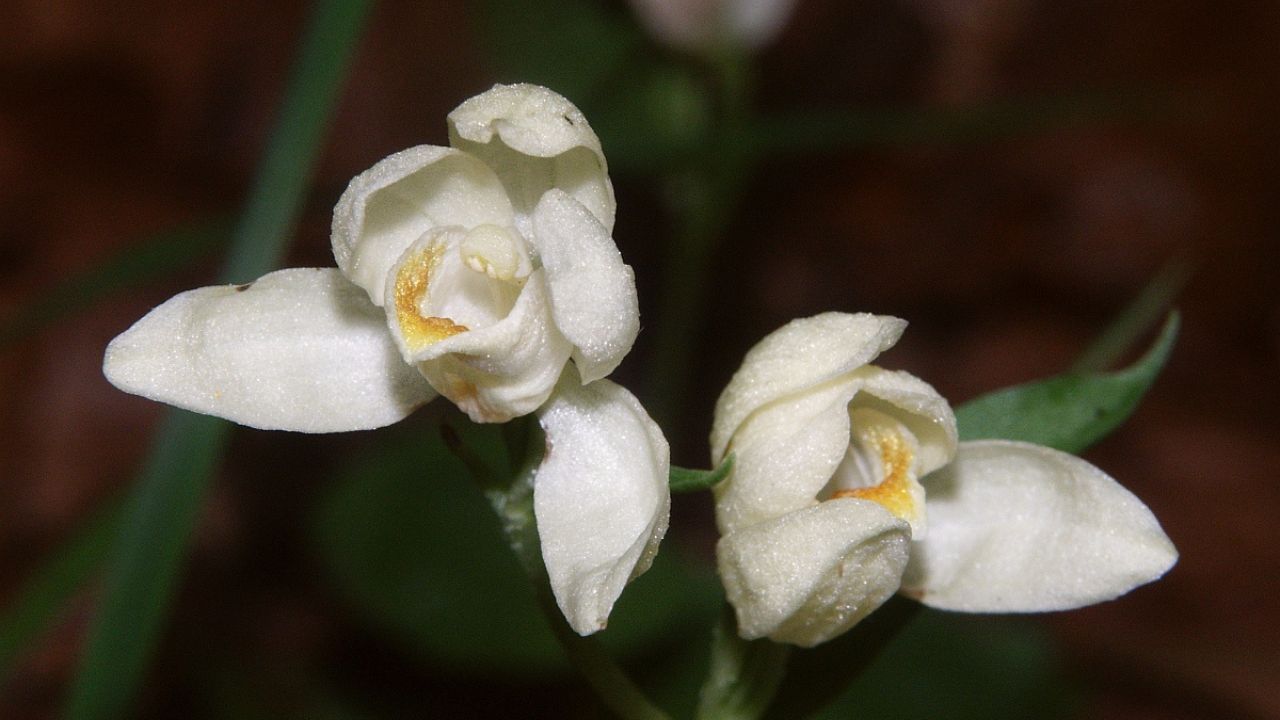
[161, 512]
[684, 480]
[154, 257]
[1069, 412]
[412, 543]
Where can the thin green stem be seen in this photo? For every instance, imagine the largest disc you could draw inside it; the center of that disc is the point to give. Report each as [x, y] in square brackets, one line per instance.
[702, 199]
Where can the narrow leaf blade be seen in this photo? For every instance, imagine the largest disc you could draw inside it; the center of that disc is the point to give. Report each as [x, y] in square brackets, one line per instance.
[1068, 412]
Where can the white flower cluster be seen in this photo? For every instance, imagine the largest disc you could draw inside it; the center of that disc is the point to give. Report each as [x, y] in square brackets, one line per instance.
[477, 272]
[848, 485]
[486, 272]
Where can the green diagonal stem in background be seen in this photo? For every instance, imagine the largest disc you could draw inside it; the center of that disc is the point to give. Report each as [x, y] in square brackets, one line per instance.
[161, 512]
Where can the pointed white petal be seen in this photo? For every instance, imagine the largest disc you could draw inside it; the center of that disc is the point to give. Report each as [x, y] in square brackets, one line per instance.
[535, 140]
[801, 354]
[600, 496]
[914, 403]
[299, 349]
[1016, 527]
[392, 204]
[593, 292]
[809, 575]
[784, 455]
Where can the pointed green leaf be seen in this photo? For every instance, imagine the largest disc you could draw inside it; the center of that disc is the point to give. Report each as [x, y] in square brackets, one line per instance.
[1069, 412]
[684, 480]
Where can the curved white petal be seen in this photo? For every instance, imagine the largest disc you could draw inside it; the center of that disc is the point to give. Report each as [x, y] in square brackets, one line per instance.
[299, 349]
[1016, 527]
[799, 355]
[914, 403]
[593, 292]
[504, 370]
[389, 206]
[809, 575]
[784, 455]
[600, 496]
[535, 140]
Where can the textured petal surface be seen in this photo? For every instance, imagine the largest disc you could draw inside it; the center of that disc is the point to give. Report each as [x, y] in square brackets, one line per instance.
[809, 575]
[914, 403]
[784, 455]
[300, 349]
[392, 204]
[535, 140]
[1016, 527]
[799, 355]
[593, 292]
[600, 496]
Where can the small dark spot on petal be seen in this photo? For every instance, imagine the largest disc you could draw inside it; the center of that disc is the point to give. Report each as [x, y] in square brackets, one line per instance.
[568, 119]
[242, 288]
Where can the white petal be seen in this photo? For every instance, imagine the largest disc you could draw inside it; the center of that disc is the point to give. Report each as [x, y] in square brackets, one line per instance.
[600, 496]
[535, 140]
[915, 404]
[392, 204]
[784, 455]
[799, 355]
[1016, 527]
[809, 575]
[299, 349]
[593, 292]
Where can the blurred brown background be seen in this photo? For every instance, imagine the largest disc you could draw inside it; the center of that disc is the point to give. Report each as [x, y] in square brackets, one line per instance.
[1007, 252]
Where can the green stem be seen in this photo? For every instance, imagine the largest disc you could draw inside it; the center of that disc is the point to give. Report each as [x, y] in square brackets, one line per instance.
[702, 199]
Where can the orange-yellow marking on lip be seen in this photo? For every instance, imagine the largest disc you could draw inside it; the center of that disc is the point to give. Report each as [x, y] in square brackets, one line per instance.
[894, 491]
[411, 286]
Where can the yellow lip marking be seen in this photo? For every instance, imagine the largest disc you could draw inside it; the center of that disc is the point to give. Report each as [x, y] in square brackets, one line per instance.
[894, 491]
[411, 287]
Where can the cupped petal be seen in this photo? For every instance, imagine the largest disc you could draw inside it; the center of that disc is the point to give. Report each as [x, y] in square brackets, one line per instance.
[914, 403]
[784, 455]
[535, 140]
[300, 349]
[593, 292]
[809, 575]
[1016, 527]
[501, 371]
[799, 355]
[600, 496]
[389, 206]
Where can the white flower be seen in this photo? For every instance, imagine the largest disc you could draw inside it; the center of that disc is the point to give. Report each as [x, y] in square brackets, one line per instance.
[475, 271]
[702, 24]
[848, 485]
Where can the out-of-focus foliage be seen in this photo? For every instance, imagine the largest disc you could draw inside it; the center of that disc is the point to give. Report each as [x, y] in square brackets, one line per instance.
[413, 545]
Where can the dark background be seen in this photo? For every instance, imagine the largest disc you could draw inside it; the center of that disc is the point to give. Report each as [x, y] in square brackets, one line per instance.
[1008, 249]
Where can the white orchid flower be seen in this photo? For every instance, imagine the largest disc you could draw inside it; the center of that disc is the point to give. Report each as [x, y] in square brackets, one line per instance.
[848, 485]
[476, 271]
